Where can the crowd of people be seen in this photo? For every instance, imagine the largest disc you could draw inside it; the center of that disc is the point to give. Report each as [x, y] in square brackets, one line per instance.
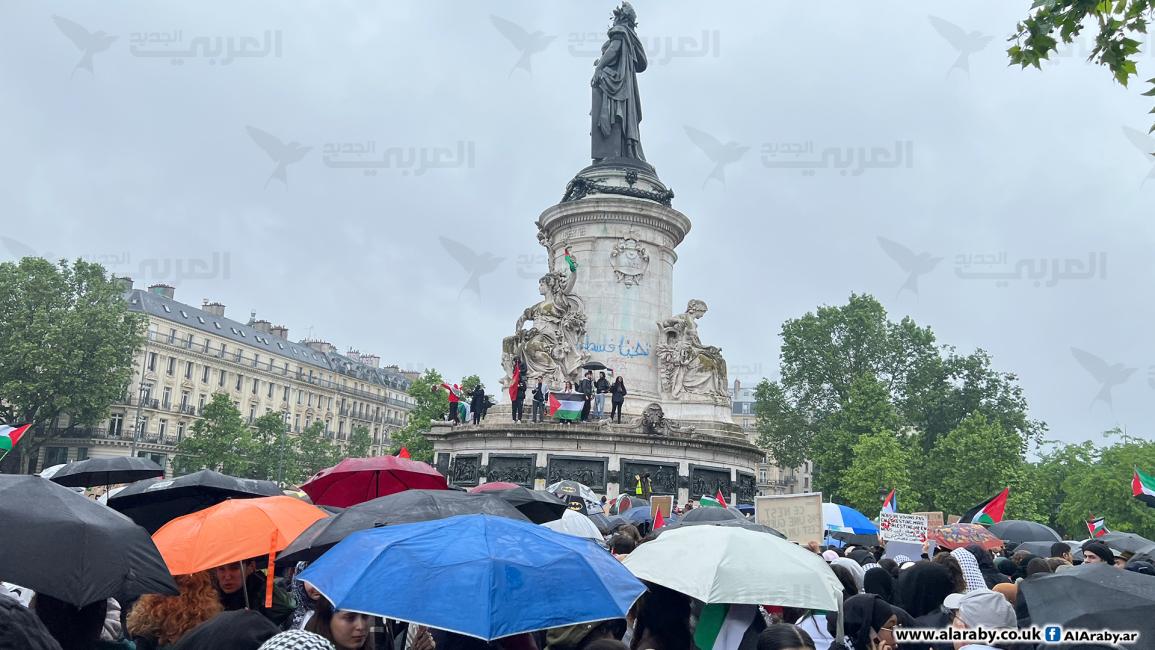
[474, 405]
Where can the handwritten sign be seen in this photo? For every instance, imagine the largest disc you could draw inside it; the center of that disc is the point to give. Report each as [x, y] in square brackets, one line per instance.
[663, 503]
[933, 519]
[898, 527]
[798, 516]
[953, 519]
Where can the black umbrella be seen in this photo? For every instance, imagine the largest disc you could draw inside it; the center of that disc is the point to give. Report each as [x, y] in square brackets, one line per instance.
[154, 503]
[538, 507]
[72, 548]
[106, 471]
[1018, 531]
[595, 365]
[738, 523]
[1093, 596]
[711, 513]
[1041, 549]
[399, 508]
[601, 521]
[1128, 543]
[855, 539]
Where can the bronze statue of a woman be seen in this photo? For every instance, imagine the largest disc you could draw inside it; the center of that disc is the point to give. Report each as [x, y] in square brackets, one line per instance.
[617, 106]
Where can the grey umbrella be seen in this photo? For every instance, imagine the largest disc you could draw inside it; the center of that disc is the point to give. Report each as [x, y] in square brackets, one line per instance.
[1128, 543]
[739, 523]
[153, 503]
[106, 471]
[67, 546]
[1093, 596]
[1018, 531]
[710, 513]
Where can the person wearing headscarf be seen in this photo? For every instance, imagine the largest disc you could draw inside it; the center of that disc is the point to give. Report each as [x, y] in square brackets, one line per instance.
[1097, 552]
[956, 572]
[855, 569]
[921, 590]
[297, 640]
[306, 598]
[1006, 566]
[849, 587]
[991, 575]
[829, 556]
[890, 565]
[861, 556]
[901, 559]
[879, 582]
[868, 622]
[970, 569]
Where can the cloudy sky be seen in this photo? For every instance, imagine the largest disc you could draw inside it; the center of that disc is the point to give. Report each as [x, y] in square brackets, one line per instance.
[1016, 198]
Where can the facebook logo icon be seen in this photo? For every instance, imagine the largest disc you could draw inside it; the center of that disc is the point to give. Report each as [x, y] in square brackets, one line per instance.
[1052, 633]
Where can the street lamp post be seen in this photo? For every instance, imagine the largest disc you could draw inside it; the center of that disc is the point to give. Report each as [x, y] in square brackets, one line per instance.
[139, 399]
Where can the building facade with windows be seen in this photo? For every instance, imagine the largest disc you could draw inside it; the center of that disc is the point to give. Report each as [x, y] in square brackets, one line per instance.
[191, 353]
[771, 479]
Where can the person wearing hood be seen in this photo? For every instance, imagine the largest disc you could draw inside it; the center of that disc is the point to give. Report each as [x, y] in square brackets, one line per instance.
[991, 575]
[921, 591]
[854, 568]
[477, 403]
[879, 582]
[1094, 552]
[235, 580]
[868, 622]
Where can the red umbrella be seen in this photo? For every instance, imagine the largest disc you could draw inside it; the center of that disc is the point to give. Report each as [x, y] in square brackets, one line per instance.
[356, 480]
[494, 486]
[959, 535]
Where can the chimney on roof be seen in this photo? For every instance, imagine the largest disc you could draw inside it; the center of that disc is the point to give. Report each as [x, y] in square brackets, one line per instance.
[214, 308]
[354, 355]
[279, 331]
[737, 387]
[371, 360]
[125, 283]
[323, 347]
[165, 290]
[262, 326]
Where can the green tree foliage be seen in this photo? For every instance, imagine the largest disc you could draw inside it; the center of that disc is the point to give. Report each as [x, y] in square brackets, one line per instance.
[67, 342]
[1102, 487]
[432, 404]
[1120, 23]
[313, 452]
[881, 462]
[972, 463]
[849, 371]
[220, 441]
[469, 383]
[271, 445]
[360, 440]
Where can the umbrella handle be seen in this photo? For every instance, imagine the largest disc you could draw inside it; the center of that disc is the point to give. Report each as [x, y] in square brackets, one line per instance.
[270, 572]
[244, 582]
[840, 633]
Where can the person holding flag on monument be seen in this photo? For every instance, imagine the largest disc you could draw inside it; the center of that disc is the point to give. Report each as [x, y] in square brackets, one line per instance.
[517, 389]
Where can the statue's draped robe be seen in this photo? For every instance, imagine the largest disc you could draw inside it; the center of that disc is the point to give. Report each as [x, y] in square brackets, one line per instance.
[617, 106]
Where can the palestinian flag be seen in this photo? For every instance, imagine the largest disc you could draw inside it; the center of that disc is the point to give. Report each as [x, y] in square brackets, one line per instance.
[570, 261]
[566, 406]
[890, 503]
[728, 627]
[709, 502]
[9, 436]
[989, 511]
[719, 498]
[514, 381]
[1097, 527]
[1142, 486]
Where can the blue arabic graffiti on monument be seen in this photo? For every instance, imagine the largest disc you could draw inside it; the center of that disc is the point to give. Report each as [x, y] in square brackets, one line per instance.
[624, 347]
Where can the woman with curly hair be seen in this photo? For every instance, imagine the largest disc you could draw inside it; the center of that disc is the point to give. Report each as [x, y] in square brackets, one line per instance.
[158, 622]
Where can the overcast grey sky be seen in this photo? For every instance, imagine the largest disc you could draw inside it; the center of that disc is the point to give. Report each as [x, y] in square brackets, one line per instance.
[148, 159]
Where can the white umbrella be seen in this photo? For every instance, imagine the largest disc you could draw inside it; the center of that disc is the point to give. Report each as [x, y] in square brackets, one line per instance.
[575, 523]
[49, 472]
[722, 564]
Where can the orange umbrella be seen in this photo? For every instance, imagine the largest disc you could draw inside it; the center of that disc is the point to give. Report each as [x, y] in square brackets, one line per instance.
[233, 531]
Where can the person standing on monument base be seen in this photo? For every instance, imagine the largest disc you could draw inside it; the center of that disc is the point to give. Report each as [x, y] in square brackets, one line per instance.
[617, 397]
[586, 388]
[537, 414]
[519, 399]
[477, 403]
[601, 387]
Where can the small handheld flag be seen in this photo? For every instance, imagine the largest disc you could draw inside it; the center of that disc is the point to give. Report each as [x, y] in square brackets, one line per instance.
[1097, 527]
[514, 382]
[404, 453]
[659, 520]
[1143, 488]
[708, 502]
[989, 511]
[890, 503]
[718, 497]
[9, 436]
[570, 261]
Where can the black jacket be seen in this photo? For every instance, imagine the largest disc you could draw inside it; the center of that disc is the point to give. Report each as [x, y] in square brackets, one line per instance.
[586, 387]
[477, 400]
[539, 393]
[283, 602]
[618, 392]
[602, 385]
[521, 391]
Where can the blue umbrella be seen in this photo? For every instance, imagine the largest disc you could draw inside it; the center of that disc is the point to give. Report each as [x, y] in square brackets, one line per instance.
[477, 575]
[844, 519]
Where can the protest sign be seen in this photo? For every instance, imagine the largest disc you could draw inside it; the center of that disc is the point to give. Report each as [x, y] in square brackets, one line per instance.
[933, 519]
[953, 519]
[798, 516]
[898, 527]
[663, 503]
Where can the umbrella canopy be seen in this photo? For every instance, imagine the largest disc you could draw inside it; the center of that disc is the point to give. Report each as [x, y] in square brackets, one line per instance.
[493, 486]
[638, 516]
[713, 514]
[730, 564]
[232, 531]
[153, 503]
[401, 508]
[49, 472]
[733, 523]
[562, 489]
[477, 575]
[625, 502]
[356, 480]
[595, 365]
[855, 539]
[958, 535]
[538, 507]
[1018, 531]
[844, 519]
[1093, 596]
[575, 523]
[106, 471]
[60, 543]
[601, 521]
[1128, 542]
[1041, 549]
